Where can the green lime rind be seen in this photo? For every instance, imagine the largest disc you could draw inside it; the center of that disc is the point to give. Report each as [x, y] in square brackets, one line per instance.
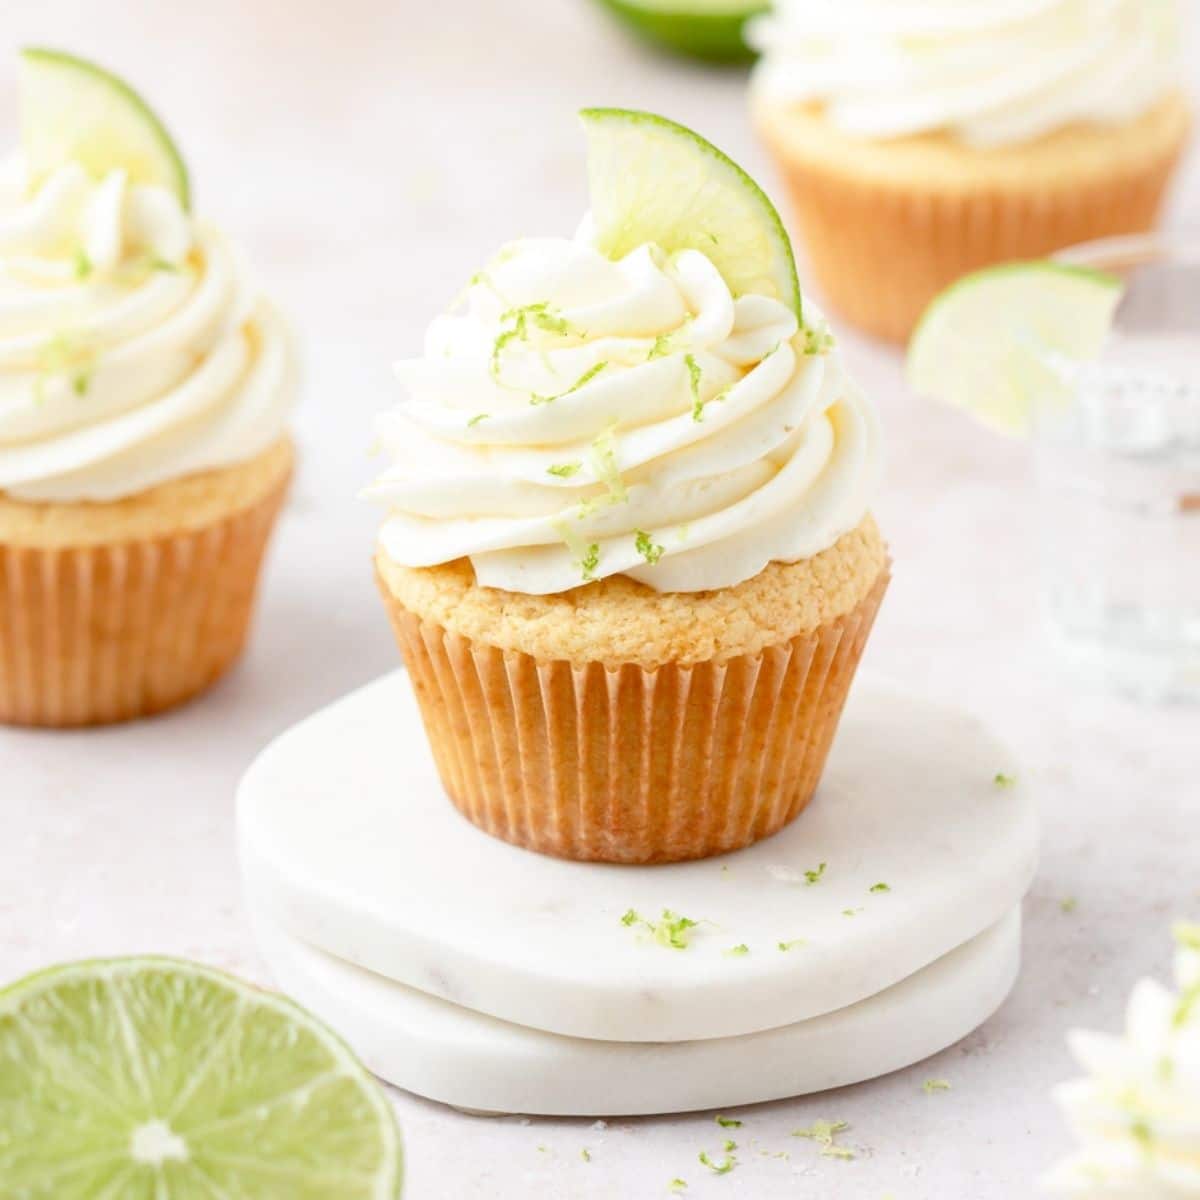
[714, 32]
[989, 344]
[158, 1079]
[73, 110]
[652, 180]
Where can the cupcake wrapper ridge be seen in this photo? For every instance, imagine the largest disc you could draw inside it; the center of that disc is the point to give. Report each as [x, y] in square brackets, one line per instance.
[625, 764]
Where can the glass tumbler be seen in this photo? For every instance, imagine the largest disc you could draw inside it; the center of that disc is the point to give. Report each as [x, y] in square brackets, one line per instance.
[1117, 461]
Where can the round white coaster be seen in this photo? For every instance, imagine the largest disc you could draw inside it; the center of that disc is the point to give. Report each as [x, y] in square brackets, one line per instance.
[910, 848]
[447, 1053]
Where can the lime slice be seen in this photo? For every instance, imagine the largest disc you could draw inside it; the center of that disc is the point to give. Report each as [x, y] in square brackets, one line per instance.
[998, 340]
[654, 181]
[154, 1079]
[707, 29]
[75, 111]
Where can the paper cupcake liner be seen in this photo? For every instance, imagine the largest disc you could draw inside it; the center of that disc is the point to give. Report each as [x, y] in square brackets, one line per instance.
[629, 765]
[96, 634]
[881, 252]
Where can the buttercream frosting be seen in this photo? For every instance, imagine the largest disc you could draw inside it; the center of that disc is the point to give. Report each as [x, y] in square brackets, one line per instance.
[576, 417]
[993, 72]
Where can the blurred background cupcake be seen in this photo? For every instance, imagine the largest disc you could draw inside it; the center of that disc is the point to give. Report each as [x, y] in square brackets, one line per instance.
[144, 393]
[921, 139]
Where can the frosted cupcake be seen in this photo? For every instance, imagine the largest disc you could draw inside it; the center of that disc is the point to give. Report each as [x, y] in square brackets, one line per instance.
[144, 390]
[922, 139]
[628, 555]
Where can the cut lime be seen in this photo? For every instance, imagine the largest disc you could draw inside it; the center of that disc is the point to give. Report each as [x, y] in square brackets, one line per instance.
[707, 29]
[154, 1079]
[652, 180]
[75, 111]
[996, 341]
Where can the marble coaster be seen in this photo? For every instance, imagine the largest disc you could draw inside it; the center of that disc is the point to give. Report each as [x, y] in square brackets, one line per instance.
[447, 1053]
[350, 845]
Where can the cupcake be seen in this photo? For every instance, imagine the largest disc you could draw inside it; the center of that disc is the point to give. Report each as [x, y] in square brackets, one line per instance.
[921, 141]
[144, 391]
[628, 554]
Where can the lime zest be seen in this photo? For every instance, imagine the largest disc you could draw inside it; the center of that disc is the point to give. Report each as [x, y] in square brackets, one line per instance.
[83, 264]
[1002, 780]
[677, 1185]
[786, 946]
[476, 419]
[727, 1122]
[1068, 904]
[604, 463]
[582, 381]
[738, 951]
[721, 1168]
[815, 875]
[935, 1085]
[825, 1133]
[565, 470]
[671, 930]
[880, 887]
[589, 562]
[650, 550]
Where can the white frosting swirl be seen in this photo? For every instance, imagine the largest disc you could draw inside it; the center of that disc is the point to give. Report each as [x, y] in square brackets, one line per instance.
[133, 348]
[582, 418]
[994, 72]
[1137, 1115]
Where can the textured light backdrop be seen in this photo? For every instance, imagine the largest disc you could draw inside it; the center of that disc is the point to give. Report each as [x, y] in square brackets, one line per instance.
[370, 156]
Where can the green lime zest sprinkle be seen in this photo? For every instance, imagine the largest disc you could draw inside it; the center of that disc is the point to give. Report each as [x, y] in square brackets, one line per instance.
[565, 470]
[729, 1145]
[671, 930]
[585, 1154]
[722, 1168]
[815, 876]
[1187, 1008]
[818, 339]
[64, 354]
[677, 1186]
[498, 347]
[540, 316]
[851, 912]
[590, 561]
[476, 419]
[582, 381]
[1004, 781]
[651, 552]
[694, 376]
[727, 1122]
[786, 946]
[738, 951]
[824, 1133]
[604, 463]
[935, 1085]
[163, 264]
[881, 887]
[1068, 904]
[661, 347]
[83, 264]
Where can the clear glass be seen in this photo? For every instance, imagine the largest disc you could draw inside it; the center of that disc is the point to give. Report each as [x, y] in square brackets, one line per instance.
[1118, 468]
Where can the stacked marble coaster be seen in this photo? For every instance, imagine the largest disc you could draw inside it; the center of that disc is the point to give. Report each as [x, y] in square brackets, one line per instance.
[879, 928]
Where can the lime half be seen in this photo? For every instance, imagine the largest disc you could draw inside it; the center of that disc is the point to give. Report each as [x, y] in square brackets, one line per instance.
[74, 111]
[995, 341]
[652, 180]
[154, 1079]
[708, 29]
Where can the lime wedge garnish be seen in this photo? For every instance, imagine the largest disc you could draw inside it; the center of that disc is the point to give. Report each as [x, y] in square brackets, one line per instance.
[74, 111]
[996, 341]
[652, 180]
[155, 1079]
[708, 29]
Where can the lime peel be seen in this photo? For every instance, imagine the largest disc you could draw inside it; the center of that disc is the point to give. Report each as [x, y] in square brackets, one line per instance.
[654, 181]
[73, 110]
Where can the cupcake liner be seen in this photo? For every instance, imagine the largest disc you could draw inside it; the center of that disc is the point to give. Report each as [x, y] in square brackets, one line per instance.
[624, 764]
[881, 251]
[96, 634]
